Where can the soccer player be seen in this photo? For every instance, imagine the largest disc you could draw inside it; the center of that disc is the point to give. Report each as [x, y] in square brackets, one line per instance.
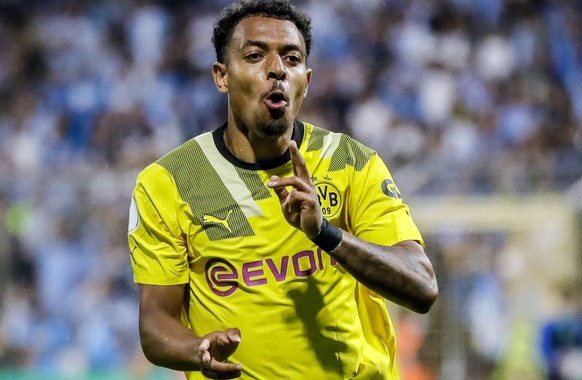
[266, 248]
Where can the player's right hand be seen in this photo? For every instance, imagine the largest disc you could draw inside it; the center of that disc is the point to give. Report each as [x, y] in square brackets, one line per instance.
[214, 351]
[300, 205]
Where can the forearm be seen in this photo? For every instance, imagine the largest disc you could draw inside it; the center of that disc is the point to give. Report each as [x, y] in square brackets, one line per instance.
[166, 342]
[401, 273]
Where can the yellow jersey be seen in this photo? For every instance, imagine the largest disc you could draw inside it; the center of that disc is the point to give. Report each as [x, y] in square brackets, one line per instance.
[199, 216]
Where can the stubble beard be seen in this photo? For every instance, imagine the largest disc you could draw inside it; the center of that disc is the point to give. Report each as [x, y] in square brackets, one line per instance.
[274, 127]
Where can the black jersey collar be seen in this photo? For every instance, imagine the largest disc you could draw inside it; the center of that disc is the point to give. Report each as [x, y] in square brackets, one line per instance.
[218, 136]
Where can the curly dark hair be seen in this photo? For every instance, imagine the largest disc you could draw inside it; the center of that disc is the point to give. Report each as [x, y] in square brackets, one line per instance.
[279, 9]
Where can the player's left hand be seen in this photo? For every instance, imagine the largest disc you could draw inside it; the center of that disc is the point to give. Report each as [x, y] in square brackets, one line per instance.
[300, 204]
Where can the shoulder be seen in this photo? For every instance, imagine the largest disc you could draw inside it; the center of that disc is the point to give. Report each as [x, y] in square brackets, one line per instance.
[315, 134]
[341, 148]
[186, 153]
[174, 163]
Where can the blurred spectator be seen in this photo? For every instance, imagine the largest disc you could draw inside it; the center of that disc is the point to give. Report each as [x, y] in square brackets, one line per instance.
[562, 338]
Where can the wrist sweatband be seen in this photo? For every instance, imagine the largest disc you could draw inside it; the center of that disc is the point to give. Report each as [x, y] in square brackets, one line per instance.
[329, 237]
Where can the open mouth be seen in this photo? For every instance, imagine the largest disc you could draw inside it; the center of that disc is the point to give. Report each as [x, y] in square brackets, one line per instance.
[276, 101]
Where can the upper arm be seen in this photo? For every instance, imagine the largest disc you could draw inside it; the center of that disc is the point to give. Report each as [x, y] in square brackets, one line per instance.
[164, 299]
[415, 252]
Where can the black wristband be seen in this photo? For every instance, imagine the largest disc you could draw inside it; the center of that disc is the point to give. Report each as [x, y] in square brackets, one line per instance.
[329, 237]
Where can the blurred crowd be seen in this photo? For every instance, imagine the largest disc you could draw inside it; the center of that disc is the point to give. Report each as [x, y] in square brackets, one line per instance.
[458, 96]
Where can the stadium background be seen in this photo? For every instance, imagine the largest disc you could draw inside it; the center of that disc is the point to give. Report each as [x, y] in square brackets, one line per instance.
[476, 105]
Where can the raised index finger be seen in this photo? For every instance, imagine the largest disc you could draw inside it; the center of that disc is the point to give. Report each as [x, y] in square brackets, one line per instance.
[299, 166]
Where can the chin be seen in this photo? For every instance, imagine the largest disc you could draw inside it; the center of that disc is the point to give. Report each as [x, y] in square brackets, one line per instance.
[275, 128]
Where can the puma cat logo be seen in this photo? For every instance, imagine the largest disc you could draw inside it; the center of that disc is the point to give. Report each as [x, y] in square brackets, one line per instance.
[207, 218]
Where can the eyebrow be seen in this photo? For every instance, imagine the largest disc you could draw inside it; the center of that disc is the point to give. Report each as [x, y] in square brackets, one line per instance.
[265, 46]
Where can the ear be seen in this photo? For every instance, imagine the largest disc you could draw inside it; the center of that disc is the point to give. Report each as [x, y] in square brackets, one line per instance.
[309, 71]
[220, 77]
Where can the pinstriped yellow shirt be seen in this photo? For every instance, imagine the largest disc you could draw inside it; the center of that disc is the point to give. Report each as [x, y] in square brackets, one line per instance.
[201, 217]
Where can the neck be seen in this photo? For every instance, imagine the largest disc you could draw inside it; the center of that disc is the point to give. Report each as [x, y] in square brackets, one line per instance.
[248, 147]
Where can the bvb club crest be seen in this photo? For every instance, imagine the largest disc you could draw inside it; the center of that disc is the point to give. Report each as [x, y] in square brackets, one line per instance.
[329, 198]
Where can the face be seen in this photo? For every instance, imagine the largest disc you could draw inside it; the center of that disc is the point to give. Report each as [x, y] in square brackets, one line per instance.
[265, 75]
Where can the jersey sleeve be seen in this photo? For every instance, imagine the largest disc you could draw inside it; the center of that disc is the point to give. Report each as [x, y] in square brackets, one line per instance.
[158, 250]
[378, 213]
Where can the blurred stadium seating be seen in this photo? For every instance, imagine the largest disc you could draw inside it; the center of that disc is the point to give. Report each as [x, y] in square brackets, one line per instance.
[476, 106]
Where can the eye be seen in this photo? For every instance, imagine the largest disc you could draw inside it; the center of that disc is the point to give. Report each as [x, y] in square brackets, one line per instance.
[253, 57]
[293, 59]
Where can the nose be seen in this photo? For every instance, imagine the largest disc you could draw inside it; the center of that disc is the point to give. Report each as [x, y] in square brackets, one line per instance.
[276, 69]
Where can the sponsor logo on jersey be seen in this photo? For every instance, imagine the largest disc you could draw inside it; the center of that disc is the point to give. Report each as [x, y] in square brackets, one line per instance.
[389, 188]
[224, 278]
[211, 219]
